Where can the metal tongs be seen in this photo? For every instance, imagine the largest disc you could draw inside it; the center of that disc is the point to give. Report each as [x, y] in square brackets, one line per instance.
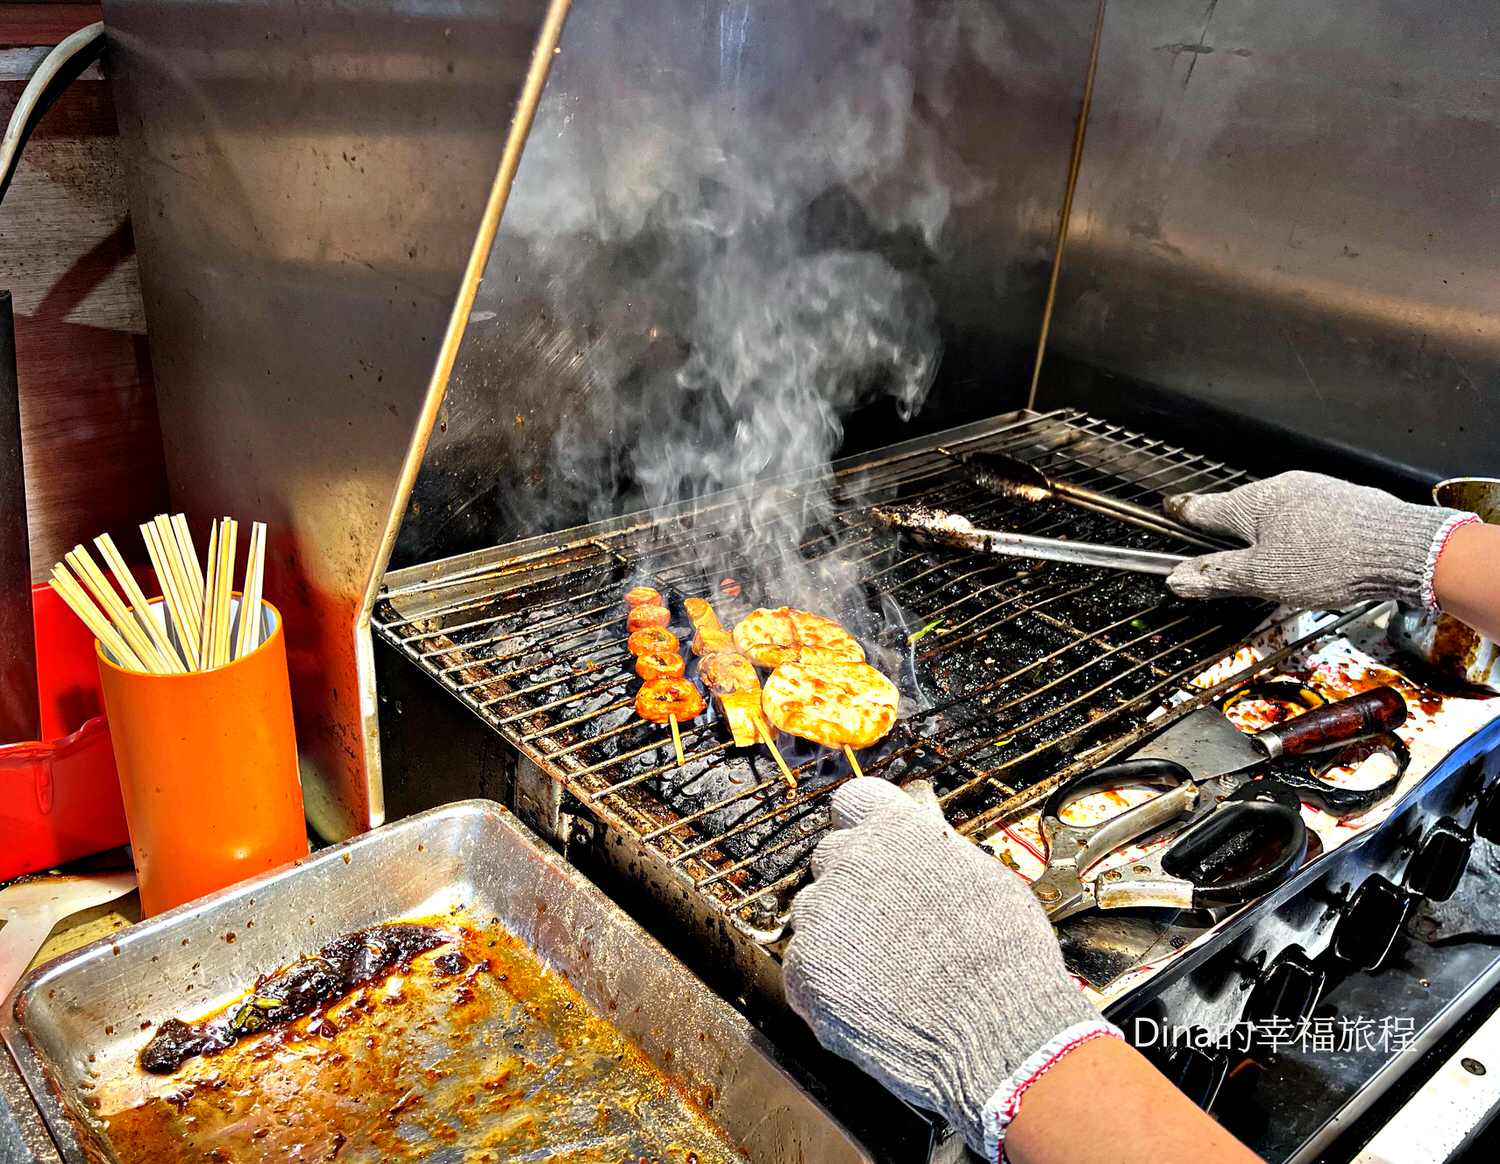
[954, 529]
[1018, 480]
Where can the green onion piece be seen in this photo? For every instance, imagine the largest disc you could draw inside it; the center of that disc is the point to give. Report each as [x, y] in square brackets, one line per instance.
[911, 638]
[1005, 741]
[1139, 623]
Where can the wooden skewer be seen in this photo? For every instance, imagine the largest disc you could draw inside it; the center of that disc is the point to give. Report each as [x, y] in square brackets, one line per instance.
[765, 738]
[853, 763]
[104, 594]
[139, 603]
[677, 740]
[93, 618]
[181, 613]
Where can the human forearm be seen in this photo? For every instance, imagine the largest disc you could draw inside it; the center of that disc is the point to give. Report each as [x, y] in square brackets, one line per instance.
[1467, 578]
[1104, 1101]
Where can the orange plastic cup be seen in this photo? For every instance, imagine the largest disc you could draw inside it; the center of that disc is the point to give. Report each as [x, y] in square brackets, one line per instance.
[208, 771]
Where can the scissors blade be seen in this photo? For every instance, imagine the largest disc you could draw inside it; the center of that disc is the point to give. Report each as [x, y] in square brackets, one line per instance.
[1206, 744]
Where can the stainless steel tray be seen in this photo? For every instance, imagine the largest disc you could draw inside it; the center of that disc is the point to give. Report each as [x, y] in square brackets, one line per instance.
[80, 1020]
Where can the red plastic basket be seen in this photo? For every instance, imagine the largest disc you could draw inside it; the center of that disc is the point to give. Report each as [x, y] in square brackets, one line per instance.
[59, 796]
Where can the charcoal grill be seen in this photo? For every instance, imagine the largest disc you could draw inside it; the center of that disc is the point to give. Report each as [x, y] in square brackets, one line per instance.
[1014, 674]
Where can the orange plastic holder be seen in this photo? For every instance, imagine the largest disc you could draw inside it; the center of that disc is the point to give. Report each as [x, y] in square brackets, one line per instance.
[208, 770]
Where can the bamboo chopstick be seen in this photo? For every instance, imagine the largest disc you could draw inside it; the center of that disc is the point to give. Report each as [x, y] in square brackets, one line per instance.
[104, 594]
[183, 616]
[189, 554]
[198, 630]
[248, 637]
[139, 603]
[72, 593]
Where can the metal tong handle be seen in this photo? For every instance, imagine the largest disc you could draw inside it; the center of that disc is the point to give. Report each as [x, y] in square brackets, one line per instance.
[1016, 545]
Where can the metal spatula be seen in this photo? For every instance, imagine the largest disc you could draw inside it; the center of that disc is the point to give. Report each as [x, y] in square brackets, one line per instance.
[954, 529]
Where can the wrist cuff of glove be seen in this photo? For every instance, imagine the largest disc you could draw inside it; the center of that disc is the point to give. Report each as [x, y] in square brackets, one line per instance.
[1439, 544]
[1002, 1107]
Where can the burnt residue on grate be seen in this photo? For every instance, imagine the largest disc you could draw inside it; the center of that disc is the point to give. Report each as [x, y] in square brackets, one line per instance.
[1008, 668]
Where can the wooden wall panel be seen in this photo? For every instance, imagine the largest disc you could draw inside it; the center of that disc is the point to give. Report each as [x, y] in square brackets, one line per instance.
[90, 431]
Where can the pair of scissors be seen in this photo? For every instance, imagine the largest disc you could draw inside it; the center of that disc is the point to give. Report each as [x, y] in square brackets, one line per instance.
[1231, 851]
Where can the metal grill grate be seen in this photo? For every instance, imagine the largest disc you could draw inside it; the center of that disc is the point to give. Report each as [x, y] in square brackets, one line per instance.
[1022, 667]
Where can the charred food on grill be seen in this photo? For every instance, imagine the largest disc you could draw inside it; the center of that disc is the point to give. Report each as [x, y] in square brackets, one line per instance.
[659, 700]
[643, 616]
[736, 687]
[833, 704]
[652, 640]
[643, 596]
[659, 665]
[771, 637]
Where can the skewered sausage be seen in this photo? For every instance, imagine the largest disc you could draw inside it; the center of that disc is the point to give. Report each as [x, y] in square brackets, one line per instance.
[660, 699]
[659, 665]
[643, 596]
[644, 616]
[652, 640]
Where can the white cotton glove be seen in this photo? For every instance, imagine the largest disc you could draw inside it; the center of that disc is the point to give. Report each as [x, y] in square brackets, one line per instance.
[929, 964]
[1315, 543]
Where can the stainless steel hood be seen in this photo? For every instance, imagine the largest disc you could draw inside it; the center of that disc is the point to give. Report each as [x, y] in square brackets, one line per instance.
[314, 189]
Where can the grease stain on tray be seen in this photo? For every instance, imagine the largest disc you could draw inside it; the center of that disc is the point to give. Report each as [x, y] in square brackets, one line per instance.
[475, 1051]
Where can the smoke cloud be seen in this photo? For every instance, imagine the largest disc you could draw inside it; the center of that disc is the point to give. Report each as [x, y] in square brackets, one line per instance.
[736, 218]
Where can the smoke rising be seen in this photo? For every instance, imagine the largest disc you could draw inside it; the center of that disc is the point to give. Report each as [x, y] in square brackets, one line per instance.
[736, 218]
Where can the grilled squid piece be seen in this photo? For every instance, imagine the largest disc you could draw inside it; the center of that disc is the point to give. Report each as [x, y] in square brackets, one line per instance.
[643, 616]
[661, 700]
[659, 665]
[652, 640]
[736, 687]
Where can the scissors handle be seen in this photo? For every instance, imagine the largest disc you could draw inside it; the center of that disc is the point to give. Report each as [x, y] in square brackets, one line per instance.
[1083, 846]
[1233, 855]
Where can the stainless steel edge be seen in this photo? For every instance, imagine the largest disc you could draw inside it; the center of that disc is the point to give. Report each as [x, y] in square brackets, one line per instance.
[80, 1017]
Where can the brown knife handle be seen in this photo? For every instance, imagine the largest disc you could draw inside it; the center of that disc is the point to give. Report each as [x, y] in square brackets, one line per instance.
[1380, 709]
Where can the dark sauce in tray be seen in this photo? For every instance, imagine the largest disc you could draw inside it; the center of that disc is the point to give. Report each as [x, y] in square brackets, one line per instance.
[469, 1049]
[345, 964]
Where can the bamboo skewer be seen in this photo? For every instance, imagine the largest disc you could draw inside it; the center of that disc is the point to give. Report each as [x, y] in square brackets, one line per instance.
[853, 763]
[139, 604]
[88, 572]
[180, 612]
[765, 738]
[93, 618]
[677, 740]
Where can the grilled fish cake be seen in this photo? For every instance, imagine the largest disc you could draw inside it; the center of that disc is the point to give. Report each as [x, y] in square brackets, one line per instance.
[771, 637]
[833, 704]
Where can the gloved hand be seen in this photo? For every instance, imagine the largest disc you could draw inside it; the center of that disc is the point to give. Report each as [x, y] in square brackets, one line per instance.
[1315, 542]
[930, 965]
